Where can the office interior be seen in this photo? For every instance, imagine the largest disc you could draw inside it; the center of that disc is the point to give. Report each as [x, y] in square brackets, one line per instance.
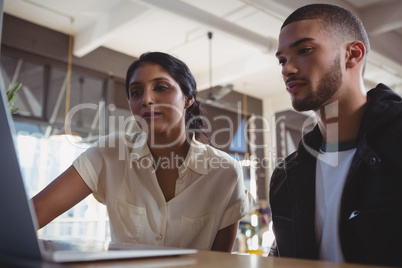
[72, 57]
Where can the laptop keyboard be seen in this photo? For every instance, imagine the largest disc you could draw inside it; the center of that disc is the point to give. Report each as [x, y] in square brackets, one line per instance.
[73, 245]
[53, 245]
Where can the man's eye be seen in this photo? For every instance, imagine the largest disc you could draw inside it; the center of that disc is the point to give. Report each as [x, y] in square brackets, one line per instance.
[304, 50]
[282, 62]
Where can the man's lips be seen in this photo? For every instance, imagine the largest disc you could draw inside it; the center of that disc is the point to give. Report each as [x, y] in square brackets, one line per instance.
[150, 115]
[293, 85]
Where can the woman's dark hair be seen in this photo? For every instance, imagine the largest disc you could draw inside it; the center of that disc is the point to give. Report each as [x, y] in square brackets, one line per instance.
[179, 71]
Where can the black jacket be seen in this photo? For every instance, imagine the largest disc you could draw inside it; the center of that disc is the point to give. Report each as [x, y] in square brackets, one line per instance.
[370, 225]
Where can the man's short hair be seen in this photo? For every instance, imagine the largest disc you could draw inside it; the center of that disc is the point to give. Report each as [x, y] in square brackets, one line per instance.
[342, 23]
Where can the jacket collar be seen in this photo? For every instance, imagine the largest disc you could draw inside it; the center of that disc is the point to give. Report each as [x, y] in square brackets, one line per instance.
[307, 150]
[383, 105]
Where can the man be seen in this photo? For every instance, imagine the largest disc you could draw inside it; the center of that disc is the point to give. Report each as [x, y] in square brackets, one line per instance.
[339, 196]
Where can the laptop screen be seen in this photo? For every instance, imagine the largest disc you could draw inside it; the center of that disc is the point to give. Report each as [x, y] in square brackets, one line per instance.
[17, 224]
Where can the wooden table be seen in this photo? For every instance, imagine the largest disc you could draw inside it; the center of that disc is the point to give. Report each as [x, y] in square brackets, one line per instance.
[203, 259]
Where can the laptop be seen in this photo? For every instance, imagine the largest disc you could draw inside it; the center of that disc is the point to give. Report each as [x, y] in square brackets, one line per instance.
[18, 232]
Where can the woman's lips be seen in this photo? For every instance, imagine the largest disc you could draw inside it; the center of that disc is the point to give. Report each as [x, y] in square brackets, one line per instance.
[150, 115]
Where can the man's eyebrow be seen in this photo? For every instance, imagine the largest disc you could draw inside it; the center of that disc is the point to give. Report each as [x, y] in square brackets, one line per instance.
[295, 44]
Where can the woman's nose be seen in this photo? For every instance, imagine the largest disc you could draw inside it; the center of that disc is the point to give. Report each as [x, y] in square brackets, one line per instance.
[148, 98]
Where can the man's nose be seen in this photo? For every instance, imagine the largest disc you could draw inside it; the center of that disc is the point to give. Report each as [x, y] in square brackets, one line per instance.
[289, 68]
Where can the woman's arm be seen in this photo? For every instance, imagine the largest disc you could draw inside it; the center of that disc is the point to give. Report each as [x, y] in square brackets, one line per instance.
[60, 195]
[225, 238]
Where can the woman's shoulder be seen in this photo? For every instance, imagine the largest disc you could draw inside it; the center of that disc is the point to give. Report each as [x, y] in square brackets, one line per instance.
[225, 160]
[213, 151]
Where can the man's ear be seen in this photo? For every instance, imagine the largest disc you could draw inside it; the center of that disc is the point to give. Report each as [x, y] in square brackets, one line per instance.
[189, 102]
[355, 53]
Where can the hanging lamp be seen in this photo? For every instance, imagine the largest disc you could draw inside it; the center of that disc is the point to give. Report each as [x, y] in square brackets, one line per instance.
[217, 94]
[67, 132]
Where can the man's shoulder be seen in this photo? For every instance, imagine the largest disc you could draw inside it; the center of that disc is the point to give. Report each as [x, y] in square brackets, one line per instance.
[384, 101]
[279, 172]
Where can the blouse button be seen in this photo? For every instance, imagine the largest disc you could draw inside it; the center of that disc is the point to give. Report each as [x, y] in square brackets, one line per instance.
[373, 161]
[158, 237]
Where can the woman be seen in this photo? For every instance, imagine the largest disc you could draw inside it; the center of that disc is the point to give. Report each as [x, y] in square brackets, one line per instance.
[162, 185]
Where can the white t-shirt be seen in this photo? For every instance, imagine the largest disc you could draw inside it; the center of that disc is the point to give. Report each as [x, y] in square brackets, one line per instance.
[210, 192]
[331, 172]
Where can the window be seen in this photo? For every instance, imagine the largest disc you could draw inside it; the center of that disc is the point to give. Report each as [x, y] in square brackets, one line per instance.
[41, 102]
[30, 99]
[41, 161]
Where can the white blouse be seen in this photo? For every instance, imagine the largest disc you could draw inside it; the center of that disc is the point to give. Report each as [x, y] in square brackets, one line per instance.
[210, 192]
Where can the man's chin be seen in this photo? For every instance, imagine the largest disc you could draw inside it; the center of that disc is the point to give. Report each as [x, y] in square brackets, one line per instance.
[299, 106]
[304, 105]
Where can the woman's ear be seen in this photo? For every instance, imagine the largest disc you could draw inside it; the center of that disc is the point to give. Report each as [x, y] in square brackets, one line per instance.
[355, 54]
[189, 102]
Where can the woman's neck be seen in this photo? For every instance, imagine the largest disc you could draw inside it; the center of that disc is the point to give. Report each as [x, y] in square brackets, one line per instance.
[163, 145]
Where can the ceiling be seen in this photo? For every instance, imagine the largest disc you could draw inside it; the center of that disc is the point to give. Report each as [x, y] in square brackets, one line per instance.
[241, 50]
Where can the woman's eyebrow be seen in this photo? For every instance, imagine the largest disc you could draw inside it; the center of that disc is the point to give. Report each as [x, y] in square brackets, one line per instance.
[160, 79]
[152, 80]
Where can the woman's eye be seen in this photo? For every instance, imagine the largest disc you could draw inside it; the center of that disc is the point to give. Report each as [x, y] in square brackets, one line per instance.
[161, 88]
[136, 93]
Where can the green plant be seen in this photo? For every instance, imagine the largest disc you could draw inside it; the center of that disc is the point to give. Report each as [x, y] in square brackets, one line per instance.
[12, 97]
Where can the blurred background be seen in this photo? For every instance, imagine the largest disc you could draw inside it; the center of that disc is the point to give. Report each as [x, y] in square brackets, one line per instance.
[72, 56]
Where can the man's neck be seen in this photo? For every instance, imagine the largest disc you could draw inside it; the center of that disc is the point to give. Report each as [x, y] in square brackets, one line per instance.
[340, 121]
